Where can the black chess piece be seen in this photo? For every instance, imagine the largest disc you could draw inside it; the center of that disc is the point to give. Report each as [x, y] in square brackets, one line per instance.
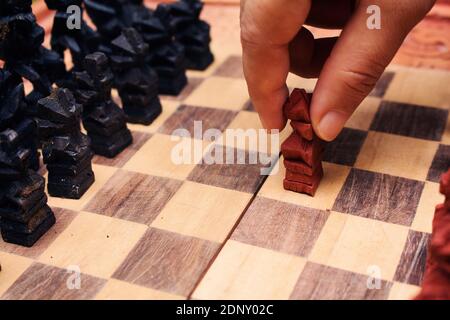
[79, 40]
[183, 19]
[66, 150]
[166, 55]
[136, 82]
[104, 121]
[21, 48]
[24, 214]
[13, 110]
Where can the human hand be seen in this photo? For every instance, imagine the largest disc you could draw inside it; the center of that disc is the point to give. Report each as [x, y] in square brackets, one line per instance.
[275, 43]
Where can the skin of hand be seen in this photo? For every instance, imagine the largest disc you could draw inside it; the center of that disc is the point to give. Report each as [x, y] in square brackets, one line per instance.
[275, 43]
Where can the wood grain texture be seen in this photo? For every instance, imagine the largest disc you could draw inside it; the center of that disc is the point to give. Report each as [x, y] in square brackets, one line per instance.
[240, 177]
[63, 218]
[280, 226]
[231, 67]
[139, 138]
[440, 164]
[382, 84]
[44, 282]
[185, 116]
[412, 263]
[167, 261]
[410, 120]
[133, 196]
[320, 282]
[380, 197]
[346, 147]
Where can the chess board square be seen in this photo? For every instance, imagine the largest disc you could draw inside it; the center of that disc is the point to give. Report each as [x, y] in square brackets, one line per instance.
[102, 175]
[411, 267]
[229, 94]
[345, 148]
[240, 177]
[133, 196]
[360, 245]
[63, 218]
[331, 184]
[382, 84]
[139, 138]
[364, 114]
[44, 282]
[379, 196]
[407, 157]
[167, 261]
[410, 120]
[168, 107]
[121, 290]
[280, 226]
[12, 267]
[231, 67]
[425, 210]
[446, 135]
[255, 138]
[96, 244]
[403, 291]
[293, 81]
[440, 164]
[159, 156]
[249, 106]
[202, 211]
[420, 86]
[185, 116]
[319, 282]
[243, 271]
[193, 83]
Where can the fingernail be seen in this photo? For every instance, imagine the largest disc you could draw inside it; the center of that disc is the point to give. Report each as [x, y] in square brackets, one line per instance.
[331, 124]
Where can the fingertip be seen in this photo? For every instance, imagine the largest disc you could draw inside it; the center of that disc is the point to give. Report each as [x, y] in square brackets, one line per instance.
[330, 125]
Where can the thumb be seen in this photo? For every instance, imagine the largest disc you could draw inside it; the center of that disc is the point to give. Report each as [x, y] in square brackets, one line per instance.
[358, 60]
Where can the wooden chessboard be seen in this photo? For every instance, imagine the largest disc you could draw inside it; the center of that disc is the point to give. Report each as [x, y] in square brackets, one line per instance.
[149, 229]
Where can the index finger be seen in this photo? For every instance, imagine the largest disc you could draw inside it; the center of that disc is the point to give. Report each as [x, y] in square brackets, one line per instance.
[267, 28]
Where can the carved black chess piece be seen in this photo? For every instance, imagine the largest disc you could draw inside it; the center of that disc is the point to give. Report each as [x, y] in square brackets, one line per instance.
[136, 82]
[104, 121]
[24, 214]
[79, 40]
[183, 19]
[166, 55]
[66, 150]
[21, 48]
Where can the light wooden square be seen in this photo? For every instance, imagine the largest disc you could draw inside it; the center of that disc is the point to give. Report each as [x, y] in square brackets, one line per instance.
[397, 155]
[220, 92]
[403, 291]
[356, 244]
[425, 210]
[245, 272]
[420, 87]
[364, 114]
[121, 290]
[168, 106]
[12, 267]
[202, 211]
[332, 182]
[102, 175]
[155, 157]
[247, 120]
[96, 244]
[293, 81]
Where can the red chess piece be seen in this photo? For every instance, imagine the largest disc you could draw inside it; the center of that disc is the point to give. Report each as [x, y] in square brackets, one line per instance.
[302, 150]
[436, 282]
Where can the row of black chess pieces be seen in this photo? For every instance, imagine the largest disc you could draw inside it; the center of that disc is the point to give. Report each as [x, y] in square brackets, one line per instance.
[139, 51]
